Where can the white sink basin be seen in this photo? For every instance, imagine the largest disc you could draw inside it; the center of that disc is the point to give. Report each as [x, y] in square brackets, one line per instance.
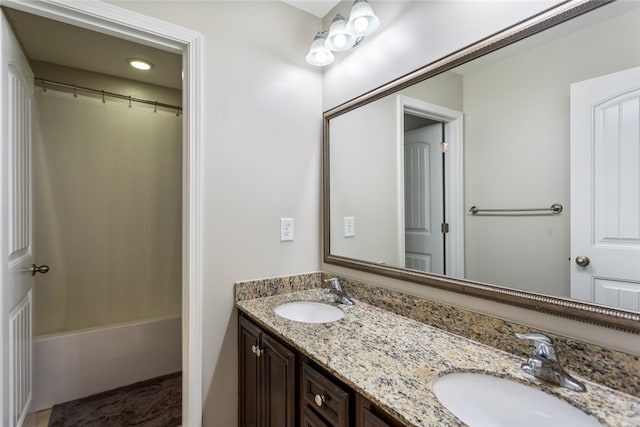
[309, 312]
[485, 400]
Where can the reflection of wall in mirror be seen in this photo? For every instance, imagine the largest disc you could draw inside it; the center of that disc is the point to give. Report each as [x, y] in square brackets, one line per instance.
[518, 109]
[364, 159]
[360, 161]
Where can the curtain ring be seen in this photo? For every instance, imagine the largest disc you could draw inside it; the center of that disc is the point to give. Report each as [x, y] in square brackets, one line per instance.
[44, 87]
[129, 101]
[103, 101]
[75, 95]
[155, 108]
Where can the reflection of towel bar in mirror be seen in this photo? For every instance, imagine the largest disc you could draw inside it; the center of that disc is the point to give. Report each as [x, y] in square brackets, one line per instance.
[555, 209]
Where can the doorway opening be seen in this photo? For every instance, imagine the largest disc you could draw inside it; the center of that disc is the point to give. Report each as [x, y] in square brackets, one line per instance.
[122, 23]
[430, 138]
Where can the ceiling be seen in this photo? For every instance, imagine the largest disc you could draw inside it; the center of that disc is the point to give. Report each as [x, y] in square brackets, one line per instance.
[58, 43]
[55, 42]
[317, 8]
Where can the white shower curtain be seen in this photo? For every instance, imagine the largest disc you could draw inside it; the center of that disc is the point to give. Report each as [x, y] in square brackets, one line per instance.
[107, 181]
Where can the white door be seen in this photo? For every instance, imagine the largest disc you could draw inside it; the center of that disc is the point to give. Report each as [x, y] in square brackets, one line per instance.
[424, 241]
[17, 230]
[605, 190]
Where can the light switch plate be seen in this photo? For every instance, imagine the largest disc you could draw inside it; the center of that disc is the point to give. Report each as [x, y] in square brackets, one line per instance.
[286, 229]
[349, 226]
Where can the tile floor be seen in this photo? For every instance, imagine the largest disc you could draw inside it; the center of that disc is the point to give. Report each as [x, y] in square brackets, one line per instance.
[42, 418]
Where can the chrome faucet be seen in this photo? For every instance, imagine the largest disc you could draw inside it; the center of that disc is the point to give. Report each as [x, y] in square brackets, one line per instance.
[545, 364]
[338, 293]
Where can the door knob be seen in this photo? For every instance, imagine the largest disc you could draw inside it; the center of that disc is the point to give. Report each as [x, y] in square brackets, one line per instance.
[39, 269]
[582, 260]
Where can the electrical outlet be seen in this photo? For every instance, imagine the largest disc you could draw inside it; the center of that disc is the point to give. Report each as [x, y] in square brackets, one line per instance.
[286, 229]
[349, 226]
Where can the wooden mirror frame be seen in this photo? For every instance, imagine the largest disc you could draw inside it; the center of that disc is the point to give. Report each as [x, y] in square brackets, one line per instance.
[611, 317]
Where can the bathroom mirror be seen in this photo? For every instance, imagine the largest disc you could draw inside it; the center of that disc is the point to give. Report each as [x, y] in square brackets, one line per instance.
[523, 203]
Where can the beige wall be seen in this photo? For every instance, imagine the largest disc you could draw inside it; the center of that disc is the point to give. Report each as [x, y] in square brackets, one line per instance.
[108, 205]
[364, 160]
[261, 161]
[412, 34]
[534, 137]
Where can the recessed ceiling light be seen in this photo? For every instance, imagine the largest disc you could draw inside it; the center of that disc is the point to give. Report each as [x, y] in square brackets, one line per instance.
[140, 64]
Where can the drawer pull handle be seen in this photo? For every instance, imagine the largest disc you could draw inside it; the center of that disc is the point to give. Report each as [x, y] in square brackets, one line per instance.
[257, 350]
[319, 399]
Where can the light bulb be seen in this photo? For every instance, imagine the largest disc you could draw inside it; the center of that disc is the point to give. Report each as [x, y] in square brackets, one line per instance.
[361, 24]
[140, 64]
[321, 57]
[340, 40]
[362, 20]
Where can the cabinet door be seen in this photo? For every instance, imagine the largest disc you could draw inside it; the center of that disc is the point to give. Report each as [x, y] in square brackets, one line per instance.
[248, 374]
[369, 419]
[367, 415]
[278, 379]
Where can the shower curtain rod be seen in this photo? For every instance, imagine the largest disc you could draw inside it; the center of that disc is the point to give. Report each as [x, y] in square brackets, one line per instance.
[76, 88]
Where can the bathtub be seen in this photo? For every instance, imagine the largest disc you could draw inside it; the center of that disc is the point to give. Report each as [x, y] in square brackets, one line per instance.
[75, 364]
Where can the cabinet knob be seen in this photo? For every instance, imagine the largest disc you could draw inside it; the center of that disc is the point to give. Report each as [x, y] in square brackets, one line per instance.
[319, 399]
[257, 350]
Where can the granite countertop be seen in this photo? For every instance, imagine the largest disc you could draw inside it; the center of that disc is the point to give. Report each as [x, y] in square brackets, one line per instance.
[392, 361]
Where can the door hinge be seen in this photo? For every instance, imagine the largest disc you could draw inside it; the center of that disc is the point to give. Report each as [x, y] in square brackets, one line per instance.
[444, 227]
[444, 147]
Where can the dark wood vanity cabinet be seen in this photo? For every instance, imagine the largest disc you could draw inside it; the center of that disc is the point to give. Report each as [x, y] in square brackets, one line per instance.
[267, 379]
[280, 388]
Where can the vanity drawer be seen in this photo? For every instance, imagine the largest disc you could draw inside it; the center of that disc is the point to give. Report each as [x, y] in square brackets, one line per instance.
[328, 399]
[310, 419]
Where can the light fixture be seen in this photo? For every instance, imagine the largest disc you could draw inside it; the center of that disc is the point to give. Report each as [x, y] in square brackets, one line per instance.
[343, 35]
[362, 20]
[339, 39]
[140, 64]
[319, 54]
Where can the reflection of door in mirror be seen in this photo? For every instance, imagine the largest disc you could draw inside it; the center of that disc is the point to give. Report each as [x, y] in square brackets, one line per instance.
[605, 189]
[430, 140]
[423, 195]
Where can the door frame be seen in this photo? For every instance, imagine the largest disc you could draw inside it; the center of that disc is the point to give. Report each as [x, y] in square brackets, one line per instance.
[126, 24]
[454, 178]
